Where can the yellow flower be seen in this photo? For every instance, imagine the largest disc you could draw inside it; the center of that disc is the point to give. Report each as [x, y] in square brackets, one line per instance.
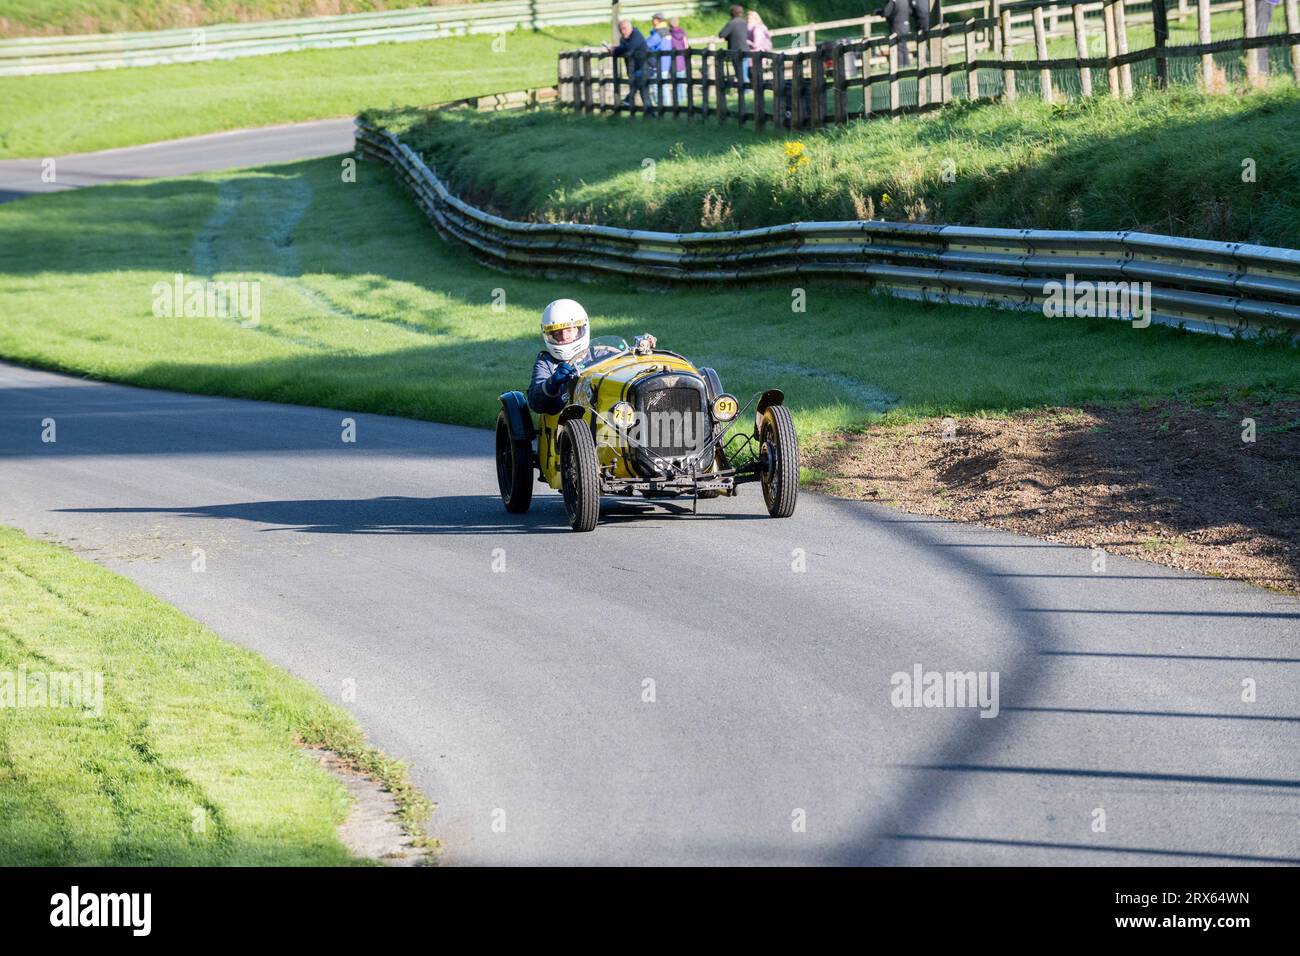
[885, 200]
[795, 156]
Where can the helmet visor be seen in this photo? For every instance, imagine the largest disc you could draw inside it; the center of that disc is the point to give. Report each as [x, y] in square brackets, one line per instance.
[565, 334]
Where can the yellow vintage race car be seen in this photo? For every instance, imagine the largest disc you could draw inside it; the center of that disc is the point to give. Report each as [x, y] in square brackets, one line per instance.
[645, 421]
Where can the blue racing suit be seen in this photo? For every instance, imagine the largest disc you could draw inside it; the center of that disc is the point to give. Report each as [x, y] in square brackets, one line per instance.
[545, 397]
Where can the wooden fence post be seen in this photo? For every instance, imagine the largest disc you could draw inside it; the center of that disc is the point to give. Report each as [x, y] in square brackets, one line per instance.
[922, 77]
[1112, 71]
[676, 86]
[818, 90]
[1293, 27]
[944, 78]
[1081, 50]
[938, 38]
[894, 101]
[661, 83]
[1203, 36]
[1251, 28]
[618, 84]
[841, 84]
[1008, 76]
[706, 83]
[1121, 46]
[972, 71]
[866, 78]
[995, 39]
[690, 82]
[795, 105]
[588, 98]
[720, 82]
[760, 117]
[1160, 21]
[740, 86]
[1040, 53]
[779, 104]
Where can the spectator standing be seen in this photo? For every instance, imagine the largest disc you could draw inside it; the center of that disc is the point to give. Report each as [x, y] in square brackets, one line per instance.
[633, 49]
[900, 14]
[736, 33]
[661, 66]
[760, 39]
[679, 41]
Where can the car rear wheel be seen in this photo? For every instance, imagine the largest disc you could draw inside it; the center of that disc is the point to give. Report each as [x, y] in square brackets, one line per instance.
[514, 468]
[778, 461]
[579, 475]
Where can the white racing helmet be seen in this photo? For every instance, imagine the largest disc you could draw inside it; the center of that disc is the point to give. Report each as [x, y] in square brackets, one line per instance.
[565, 330]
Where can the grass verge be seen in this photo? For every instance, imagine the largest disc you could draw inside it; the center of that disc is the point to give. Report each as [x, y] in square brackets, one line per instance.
[38, 17]
[52, 17]
[1173, 162]
[81, 112]
[190, 760]
[1207, 486]
[363, 307]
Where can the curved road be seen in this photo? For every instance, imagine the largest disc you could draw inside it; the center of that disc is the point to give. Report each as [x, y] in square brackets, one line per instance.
[509, 661]
[506, 658]
[178, 157]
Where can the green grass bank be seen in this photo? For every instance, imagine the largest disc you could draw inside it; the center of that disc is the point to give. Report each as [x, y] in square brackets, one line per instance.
[186, 756]
[1175, 162]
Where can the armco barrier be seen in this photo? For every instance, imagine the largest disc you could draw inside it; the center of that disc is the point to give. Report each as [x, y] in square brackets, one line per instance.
[1225, 288]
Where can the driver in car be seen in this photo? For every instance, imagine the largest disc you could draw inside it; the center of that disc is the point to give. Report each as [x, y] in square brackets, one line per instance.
[566, 333]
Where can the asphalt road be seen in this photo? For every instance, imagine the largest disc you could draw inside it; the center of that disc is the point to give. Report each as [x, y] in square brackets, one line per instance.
[178, 157]
[506, 658]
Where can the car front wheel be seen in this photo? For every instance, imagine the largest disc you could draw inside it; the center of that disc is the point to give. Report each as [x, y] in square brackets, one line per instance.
[778, 461]
[579, 475]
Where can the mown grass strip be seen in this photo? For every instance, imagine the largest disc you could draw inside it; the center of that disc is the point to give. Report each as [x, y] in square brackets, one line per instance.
[189, 757]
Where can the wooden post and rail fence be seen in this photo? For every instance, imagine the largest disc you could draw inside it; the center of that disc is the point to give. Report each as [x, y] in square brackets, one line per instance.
[982, 49]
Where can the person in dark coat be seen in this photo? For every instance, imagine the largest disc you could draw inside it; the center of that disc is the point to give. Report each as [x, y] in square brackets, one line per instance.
[736, 32]
[633, 49]
[901, 15]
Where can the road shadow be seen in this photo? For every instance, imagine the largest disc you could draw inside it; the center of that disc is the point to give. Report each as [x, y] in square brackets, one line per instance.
[444, 515]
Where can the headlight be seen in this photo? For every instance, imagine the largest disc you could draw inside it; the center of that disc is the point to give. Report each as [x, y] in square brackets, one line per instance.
[623, 414]
[725, 408]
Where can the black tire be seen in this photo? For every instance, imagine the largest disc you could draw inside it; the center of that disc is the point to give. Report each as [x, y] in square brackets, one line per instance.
[778, 461]
[514, 468]
[579, 475]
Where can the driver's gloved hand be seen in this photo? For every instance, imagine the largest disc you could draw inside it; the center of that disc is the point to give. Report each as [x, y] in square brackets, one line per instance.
[562, 376]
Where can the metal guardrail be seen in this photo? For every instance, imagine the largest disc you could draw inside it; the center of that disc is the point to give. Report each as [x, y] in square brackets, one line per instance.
[1223, 288]
[70, 54]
